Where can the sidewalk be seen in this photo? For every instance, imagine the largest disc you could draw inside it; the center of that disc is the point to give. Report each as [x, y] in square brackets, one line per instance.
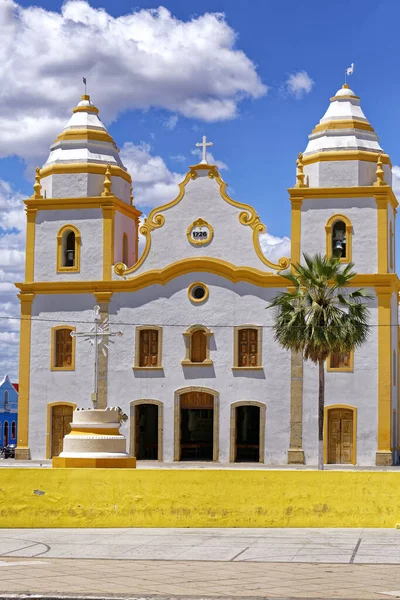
[276, 563]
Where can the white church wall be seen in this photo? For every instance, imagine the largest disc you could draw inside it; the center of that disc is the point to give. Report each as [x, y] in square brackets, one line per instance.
[123, 224]
[120, 188]
[363, 216]
[358, 389]
[228, 305]
[343, 173]
[391, 246]
[232, 241]
[57, 386]
[48, 223]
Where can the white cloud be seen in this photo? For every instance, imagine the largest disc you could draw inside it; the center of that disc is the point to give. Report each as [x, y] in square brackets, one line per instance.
[12, 262]
[147, 58]
[274, 247]
[179, 158]
[396, 180]
[299, 84]
[170, 122]
[154, 183]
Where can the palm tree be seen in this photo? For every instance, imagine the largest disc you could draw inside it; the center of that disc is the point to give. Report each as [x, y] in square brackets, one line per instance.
[319, 317]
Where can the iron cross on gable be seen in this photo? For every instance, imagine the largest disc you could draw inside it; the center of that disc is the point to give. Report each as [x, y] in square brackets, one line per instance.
[204, 144]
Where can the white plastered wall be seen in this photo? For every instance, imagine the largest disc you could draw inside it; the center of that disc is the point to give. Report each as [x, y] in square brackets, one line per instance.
[232, 241]
[344, 173]
[123, 224]
[57, 386]
[83, 185]
[362, 213]
[89, 222]
[358, 389]
[391, 247]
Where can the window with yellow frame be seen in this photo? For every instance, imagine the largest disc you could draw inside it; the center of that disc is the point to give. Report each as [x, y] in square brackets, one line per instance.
[68, 249]
[339, 234]
[341, 361]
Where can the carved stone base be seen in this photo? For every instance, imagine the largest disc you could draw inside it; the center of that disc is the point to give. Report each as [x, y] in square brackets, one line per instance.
[22, 454]
[295, 456]
[384, 459]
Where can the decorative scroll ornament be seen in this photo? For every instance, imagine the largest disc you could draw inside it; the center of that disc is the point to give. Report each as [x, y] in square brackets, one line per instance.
[200, 232]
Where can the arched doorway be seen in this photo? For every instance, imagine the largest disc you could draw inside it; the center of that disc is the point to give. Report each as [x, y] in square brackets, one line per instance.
[5, 437]
[59, 419]
[340, 435]
[247, 432]
[196, 424]
[147, 430]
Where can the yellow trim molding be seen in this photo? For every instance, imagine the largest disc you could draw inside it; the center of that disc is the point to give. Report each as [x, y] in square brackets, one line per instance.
[326, 430]
[384, 452]
[85, 134]
[188, 334]
[349, 236]
[348, 369]
[335, 155]
[343, 124]
[50, 407]
[53, 366]
[382, 193]
[30, 243]
[97, 169]
[140, 328]
[381, 282]
[22, 451]
[77, 249]
[247, 216]
[194, 285]
[82, 202]
[108, 240]
[201, 241]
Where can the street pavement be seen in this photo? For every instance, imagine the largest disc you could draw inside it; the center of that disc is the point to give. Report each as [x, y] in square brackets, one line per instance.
[188, 563]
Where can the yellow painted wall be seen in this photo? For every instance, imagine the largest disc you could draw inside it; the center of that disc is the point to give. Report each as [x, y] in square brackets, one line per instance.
[197, 498]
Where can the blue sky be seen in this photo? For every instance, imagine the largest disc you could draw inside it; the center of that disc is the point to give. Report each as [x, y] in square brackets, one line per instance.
[257, 135]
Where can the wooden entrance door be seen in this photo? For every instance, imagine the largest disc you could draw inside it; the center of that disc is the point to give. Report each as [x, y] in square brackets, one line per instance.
[196, 426]
[340, 436]
[61, 418]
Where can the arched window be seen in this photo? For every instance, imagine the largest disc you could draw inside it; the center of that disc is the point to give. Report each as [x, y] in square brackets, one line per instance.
[125, 249]
[13, 430]
[197, 339]
[68, 249]
[148, 347]
[6, 401]
[62, 349]
[247, 352]
[339, 238]
[341, 361]
[5, 436]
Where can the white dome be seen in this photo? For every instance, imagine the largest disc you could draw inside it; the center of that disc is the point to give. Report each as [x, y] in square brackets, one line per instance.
[345, 91]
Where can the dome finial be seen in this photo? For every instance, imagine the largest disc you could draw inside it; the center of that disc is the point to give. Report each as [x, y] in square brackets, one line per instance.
[37, 187]
[107, 182]
[380, 173]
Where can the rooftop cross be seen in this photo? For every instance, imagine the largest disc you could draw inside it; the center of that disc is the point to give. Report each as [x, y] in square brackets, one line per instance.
[99, 337]
[204, 145]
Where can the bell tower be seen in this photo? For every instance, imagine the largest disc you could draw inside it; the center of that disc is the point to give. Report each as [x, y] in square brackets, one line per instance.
[343, 205]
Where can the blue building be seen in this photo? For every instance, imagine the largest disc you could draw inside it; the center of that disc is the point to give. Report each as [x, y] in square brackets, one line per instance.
[8, 412]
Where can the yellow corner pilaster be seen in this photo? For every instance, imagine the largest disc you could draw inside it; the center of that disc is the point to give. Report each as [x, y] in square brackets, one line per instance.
[382, 232]
[296, 229]
[108, 240]
[384, 452]
[22, 450]
[30, 243]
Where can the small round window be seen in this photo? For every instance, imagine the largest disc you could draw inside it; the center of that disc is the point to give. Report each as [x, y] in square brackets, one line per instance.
[198, 292]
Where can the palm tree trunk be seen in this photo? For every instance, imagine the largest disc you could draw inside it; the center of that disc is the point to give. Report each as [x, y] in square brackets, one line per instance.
[321, 403]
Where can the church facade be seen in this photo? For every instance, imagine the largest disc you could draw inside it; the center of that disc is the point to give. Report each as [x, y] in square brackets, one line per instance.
[197, 369]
